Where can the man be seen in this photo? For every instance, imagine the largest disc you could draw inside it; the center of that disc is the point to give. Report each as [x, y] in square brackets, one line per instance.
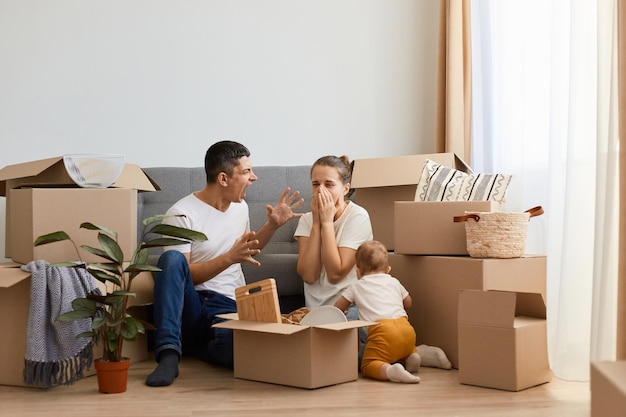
[198, 280]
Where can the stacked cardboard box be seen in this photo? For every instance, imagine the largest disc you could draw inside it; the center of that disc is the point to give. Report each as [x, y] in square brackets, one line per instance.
[42, 198]
[429, 249]
[434, 283]
[502, 339]
[379, 182]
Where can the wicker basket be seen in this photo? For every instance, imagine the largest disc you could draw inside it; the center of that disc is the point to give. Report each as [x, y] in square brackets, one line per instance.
[497, 234]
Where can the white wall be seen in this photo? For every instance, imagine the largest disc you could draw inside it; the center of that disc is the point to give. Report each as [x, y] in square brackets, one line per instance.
[159, 81]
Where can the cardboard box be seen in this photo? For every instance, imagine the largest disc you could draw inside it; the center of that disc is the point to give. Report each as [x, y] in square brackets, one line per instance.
[295, 355]
[502, 339]
[434, 283]
[608, 388]
[51, 171]
[428, 228]
[41, 198]
[381, 181]
[14, 304]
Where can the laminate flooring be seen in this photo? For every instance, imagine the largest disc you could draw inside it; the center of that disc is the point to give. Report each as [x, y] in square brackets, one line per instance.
[206, 390]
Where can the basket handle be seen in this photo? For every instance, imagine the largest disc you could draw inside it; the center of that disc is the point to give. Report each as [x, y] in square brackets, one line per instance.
[458, 219]
[535, 211]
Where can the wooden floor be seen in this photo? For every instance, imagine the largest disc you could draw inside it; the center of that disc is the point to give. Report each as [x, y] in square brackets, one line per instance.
[205, 390]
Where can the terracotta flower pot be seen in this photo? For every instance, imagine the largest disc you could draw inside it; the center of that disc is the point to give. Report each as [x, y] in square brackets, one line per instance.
[112, 376]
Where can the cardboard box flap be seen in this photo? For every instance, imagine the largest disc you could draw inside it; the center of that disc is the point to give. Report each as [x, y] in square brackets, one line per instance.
[491, 308]
[530, 305]
[284, 328]
[399, 170]
[11, 274]
[43, 171]
[29, 169]
[498, 308]
[263, 327]
[134, 177]
[51, 171]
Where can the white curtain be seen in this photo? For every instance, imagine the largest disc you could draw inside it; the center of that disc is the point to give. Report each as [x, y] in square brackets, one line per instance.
[542, 111]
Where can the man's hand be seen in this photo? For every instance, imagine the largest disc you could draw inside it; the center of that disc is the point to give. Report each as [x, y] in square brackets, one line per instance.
[245, 248]
[282, 212]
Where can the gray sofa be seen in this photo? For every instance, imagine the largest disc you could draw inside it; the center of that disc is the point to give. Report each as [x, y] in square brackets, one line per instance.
[278, 259]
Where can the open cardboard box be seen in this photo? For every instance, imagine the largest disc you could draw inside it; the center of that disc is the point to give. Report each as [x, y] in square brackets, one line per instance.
[42, 198]
[293, 354]
[608, 388]
[434, 283]
[428, 227]
[502, 339]
[381, 181]
[14, 305]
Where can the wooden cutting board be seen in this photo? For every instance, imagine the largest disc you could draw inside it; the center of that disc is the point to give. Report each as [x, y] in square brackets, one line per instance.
[258, 302]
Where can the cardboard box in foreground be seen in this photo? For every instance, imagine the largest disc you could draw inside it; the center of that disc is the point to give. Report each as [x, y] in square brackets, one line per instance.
[503, 340]
[14, 305]
[434, 283]
[295, 355]
[428, 227]
[608, 388]
[381, 181]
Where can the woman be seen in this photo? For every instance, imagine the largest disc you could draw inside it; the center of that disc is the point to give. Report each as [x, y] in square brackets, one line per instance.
[329, 235]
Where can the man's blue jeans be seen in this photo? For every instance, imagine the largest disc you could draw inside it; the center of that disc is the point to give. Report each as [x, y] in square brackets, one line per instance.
[184, 317]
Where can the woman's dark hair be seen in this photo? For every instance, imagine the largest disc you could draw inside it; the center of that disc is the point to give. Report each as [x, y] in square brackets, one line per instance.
[343, 165]
[223, 157]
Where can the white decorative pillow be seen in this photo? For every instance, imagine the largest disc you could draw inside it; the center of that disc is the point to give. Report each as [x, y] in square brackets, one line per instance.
[441, 183]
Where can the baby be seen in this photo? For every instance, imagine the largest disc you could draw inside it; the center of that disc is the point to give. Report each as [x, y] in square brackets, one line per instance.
[382, 298]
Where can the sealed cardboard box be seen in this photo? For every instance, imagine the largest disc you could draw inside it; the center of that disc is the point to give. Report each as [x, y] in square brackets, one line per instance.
[427, 227]
[295, 355]
[14, 306]
[608, 388]
[502, 339]
[381, 181]
[41, 198]
[434, 283]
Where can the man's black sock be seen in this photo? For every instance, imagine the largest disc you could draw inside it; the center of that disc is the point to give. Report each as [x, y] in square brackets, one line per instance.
[166, 371]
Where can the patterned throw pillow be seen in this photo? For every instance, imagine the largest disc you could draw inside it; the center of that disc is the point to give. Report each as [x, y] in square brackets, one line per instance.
[441, 183]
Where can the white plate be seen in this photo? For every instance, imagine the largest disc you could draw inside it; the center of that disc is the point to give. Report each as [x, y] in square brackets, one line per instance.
[323, 315]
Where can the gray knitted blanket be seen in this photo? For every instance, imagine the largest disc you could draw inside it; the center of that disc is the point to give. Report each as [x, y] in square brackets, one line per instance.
[54, 355]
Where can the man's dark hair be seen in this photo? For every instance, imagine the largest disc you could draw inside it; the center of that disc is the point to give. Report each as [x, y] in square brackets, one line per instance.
[223, 157]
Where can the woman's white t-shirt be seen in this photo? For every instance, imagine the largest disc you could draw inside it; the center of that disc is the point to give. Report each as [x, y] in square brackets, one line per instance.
[221, 229]
[352, 228]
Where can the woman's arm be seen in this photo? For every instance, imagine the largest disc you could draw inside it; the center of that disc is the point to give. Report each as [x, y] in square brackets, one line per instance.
[337, 261]
[309, 257]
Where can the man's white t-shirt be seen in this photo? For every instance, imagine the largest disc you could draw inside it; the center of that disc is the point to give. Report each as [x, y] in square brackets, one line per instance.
[377, 296]
[352, 228]
[221, 229]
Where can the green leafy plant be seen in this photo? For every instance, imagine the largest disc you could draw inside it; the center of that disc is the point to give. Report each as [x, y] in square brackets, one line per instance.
[111, 321]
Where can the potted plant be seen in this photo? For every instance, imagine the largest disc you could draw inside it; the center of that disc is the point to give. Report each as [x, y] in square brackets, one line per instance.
[111, 321]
